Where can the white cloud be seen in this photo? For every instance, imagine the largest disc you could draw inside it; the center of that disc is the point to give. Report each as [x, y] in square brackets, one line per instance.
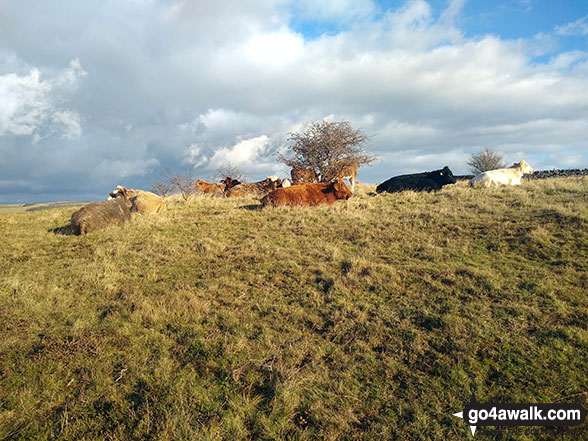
[24, 102]
[578, 27]
[70, 121]
[193, 155]
[452, 13]
[175, 82]
[31, 104]
[69, 79]
[245, 152]
[220, 119]
[274, 49]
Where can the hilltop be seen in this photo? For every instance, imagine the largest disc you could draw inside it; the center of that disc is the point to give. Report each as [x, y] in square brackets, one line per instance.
[366, 320]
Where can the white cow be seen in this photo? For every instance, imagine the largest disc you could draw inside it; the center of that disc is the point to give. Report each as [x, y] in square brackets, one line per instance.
[502, 176]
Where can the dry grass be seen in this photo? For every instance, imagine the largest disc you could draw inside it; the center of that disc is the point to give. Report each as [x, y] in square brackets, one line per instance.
[365, 320]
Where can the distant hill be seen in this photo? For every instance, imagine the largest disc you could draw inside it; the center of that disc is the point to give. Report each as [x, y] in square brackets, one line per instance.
[33, 206]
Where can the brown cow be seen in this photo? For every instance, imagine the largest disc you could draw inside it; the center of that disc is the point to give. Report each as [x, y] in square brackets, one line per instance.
[98, 215]
[209, 188]
[308, 194]
[344, 170]
[253, 189]
[230, 182]
[303, 175]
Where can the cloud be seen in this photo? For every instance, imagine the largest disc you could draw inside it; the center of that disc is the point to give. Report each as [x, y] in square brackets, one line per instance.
[32, 105]
[274, 49]
[575, 28]
[120, 169]
[25, 102]
[334, 10]
[245, 152]
[70, 122]
[170, 84]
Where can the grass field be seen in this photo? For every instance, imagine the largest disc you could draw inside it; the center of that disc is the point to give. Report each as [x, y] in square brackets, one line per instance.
[21, 208]
[367, 320]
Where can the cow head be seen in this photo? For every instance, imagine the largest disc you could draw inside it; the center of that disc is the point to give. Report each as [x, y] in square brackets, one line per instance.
[117, 191]
[199, 185]
[341, 190]
[121, 193]
[444, 176]
[271, 184]
[230, 182]
[525, 168]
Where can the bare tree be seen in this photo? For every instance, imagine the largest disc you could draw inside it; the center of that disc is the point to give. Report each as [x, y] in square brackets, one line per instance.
[231, 171]
[162, 188]
[486, 160]
[184, 183]
[175, 182]
[325, 147]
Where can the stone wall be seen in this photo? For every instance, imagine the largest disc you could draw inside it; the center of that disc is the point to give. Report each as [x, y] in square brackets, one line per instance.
[544, 174]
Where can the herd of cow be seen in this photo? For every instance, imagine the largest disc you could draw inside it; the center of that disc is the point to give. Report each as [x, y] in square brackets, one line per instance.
[303, 189]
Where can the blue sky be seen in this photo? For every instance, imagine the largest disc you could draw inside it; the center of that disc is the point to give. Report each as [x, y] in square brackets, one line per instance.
[510, 19]
[96, 94]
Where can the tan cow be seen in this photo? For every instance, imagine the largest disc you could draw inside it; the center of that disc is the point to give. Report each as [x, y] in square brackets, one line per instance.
[209, 187]
[344, 170]
[142, 201]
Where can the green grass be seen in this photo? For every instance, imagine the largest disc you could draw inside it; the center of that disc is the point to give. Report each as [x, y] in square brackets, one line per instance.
[365, 320]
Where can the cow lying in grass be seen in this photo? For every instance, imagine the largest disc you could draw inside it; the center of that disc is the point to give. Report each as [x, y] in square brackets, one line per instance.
[142, 201]
[253, 189]
[98, 215]
[209, 187]
[428, 181]
[502, 176]
[307, 194]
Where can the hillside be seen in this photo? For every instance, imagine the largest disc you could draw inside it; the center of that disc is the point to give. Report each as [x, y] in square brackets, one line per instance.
[365, 320]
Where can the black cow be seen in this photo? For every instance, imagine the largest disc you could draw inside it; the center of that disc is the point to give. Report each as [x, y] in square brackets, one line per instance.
[428, 181]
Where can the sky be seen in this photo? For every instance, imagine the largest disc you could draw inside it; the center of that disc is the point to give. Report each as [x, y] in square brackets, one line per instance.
[95, 94]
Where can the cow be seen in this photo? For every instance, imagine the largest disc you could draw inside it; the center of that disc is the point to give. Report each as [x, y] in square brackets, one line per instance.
[229, 183]
[308, 194]
[344, 170]
[286, 183]
[253, 189]
[427, 181]
[209, 188]
[98, 215]
[142, 201]
[502, 176]
[303, 175]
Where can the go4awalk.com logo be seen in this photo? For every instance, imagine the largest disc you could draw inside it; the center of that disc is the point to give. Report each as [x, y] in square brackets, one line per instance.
[527, 414]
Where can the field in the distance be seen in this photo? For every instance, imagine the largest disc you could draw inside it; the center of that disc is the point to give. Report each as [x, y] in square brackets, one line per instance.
[366, 320]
